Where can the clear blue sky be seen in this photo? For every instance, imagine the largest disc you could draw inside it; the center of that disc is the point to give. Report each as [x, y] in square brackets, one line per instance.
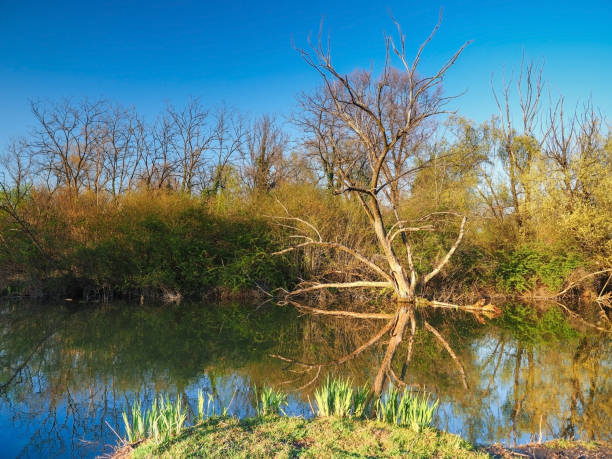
[147, 53]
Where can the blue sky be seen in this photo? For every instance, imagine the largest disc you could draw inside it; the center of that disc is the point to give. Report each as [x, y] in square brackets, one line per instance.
[147, 53]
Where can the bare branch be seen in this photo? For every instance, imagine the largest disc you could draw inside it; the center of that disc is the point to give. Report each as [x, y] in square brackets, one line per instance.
[448, 255]
[338, 246]
[360, 284]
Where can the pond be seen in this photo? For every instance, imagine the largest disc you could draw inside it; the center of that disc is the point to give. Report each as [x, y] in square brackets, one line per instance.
[66, 374]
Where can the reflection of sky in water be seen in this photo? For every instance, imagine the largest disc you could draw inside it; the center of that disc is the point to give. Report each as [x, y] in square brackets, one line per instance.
[63, 412]
[77, 426]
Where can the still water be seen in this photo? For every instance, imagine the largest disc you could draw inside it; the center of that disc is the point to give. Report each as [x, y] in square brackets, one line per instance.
[66, 375]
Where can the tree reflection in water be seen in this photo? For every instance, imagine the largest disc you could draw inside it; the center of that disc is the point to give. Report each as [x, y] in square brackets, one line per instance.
[65, 374]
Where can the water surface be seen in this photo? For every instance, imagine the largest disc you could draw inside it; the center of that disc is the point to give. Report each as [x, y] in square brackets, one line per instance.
[67, 374]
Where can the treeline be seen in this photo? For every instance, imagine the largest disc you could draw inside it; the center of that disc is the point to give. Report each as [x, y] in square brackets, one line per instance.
[98, 202]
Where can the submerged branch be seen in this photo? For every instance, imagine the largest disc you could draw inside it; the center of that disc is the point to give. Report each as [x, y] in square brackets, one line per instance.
[580, 319]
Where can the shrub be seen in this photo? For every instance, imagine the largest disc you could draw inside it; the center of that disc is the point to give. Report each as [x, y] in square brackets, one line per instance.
[524, 267]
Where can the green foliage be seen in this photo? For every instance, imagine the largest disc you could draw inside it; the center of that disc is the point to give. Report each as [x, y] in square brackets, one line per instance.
[337, 397]
[135, 428]
[151, 243]
[270, 401]
[334, 397]
[523, 268]
[406, 409]
[164, 419]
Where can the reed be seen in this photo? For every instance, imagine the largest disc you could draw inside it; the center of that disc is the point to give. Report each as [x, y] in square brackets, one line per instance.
[338, 397]
[270, 401]
[164, 419]
[406, 409]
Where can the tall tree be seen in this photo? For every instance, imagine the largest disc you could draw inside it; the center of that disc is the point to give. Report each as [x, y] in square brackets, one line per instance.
[383, 116]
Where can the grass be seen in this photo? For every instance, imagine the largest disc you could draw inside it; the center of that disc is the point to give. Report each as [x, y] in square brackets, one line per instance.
[336, 398]
[328, 437]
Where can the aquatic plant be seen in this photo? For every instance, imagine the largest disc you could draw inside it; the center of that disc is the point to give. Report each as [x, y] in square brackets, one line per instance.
[164, 419]
[334, 398]
[361, 402]
[200, 406]
[406, 409]
[338, 397]
[135, 429]
[270, 401]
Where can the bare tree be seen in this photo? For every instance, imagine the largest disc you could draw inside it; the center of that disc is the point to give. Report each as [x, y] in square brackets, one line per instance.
[191, 139]
[383, 116]
[519, 146]
[229, 137]
[263, 154]
[159, 165]
[66, 140]
[122, 158]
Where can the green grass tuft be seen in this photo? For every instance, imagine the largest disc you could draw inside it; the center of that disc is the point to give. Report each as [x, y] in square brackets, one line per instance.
[270, 401]
[406, 409]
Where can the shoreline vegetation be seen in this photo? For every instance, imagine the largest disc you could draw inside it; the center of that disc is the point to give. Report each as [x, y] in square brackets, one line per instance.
[167, 245]
[276, 436]
[346, 422]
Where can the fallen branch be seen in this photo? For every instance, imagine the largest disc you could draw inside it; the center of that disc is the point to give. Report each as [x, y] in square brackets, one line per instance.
[479, 308]
[365, 284]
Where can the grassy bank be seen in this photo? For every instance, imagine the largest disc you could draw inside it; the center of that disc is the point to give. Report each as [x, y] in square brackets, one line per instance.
[282, 437]
[274, 436]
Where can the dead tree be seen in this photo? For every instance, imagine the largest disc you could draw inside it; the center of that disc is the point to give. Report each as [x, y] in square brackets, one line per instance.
[382, 116]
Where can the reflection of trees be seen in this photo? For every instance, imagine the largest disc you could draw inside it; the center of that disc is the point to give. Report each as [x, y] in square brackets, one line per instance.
[67, 374]
[552, 381]
[531, 370]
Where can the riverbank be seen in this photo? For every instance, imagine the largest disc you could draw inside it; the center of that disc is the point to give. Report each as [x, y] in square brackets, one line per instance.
[275, 436]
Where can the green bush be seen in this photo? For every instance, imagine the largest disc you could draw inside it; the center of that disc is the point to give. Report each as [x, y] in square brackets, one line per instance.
[529, 265]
